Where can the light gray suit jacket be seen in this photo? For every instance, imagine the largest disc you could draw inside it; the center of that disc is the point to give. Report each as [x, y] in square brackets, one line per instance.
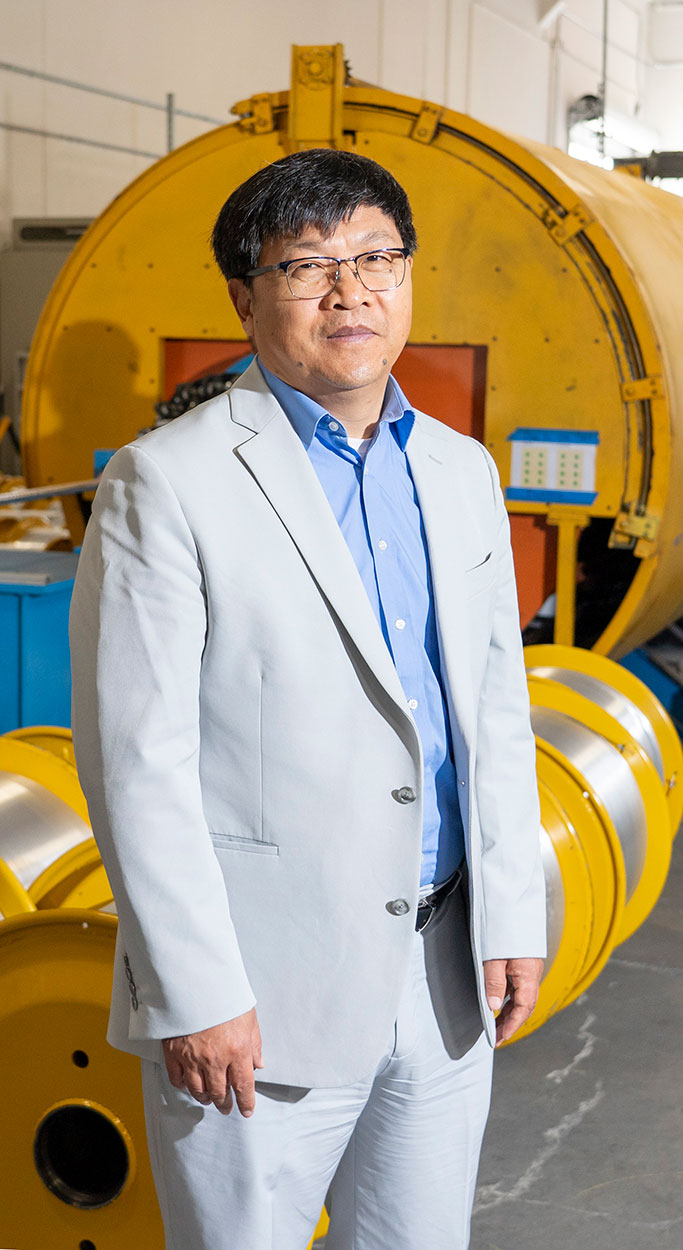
[242, 735]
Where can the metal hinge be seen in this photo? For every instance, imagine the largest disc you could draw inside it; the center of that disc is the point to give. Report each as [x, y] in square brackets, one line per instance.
[651, 387]
[255, 114]
[630, 523]
[426, 124]
[564, 228]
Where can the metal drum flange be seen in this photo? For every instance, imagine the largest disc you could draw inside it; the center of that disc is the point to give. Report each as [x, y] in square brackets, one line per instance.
[74, 1170]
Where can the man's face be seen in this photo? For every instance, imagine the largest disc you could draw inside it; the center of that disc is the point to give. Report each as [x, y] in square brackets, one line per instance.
[345, 341]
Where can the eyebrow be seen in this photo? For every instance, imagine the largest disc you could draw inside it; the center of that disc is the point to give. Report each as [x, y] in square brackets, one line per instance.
[313, 242]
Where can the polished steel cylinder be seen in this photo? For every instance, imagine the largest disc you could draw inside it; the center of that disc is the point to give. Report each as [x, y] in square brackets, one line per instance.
[36, 827]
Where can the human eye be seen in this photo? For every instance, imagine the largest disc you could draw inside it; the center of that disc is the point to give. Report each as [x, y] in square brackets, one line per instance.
[380, 260]
[308, 266]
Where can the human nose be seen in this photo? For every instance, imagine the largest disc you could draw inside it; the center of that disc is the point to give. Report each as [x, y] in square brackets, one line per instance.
[348, 291]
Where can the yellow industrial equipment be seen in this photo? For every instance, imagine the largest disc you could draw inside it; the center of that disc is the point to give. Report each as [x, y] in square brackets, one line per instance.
[73, 1157]
[548, 296]
[43, 818]
[52, 738]
[548, 300]
[610, 776]
[73, 1152]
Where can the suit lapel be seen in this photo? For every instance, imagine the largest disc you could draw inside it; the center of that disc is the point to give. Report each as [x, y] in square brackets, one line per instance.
[435, 474]
[277, 459]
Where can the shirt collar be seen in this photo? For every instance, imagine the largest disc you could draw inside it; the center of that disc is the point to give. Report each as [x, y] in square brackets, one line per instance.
[304, 413]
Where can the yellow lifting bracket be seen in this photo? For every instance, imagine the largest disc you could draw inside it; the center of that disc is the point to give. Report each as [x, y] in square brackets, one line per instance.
[632, 523]
[315, 97]
[564, 228]
[427, 123]
[651, 387]
[255, 114]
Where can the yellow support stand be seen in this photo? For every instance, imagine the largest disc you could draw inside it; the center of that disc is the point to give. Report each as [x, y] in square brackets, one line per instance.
[569, 523]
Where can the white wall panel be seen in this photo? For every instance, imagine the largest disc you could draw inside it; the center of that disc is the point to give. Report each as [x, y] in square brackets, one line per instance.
[509, 82]
[666, 33]
[626, 25]
[457, 40]
[522, 13]
[664, 111]
[582, 45]
[22, 30]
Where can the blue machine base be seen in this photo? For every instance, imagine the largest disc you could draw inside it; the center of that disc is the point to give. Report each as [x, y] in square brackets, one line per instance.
[35, 671]
[660, 683]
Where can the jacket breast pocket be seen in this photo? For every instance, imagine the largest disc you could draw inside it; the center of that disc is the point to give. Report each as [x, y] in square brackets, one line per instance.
[232, 842]
[480, 576]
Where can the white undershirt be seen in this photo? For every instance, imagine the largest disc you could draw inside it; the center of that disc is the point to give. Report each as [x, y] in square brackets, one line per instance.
[360, 445]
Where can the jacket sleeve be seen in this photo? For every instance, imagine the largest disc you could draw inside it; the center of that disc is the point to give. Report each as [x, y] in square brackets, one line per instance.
[513, 882]
[137, 631]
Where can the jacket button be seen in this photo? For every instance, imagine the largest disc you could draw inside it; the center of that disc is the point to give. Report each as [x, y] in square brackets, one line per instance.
[405, 795]
[397, 906]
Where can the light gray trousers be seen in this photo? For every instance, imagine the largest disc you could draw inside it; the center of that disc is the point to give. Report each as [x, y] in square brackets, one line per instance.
[394, 1156]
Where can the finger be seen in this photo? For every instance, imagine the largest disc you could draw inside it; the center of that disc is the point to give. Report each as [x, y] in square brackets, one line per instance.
[241, 1077]
[194, 1084]
[226, 1106]
[511, 1018]
[495, 982]
[216, 1085]
[175, 1070]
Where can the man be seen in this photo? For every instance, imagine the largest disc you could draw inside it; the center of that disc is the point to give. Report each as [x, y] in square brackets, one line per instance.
[302, 726]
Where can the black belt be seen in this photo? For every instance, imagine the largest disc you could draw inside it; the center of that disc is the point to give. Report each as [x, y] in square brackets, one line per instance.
[429, 906]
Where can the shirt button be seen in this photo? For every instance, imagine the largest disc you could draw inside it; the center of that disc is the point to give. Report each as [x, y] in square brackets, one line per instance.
[462, 782]
[406, 794]
[382, 545]
[334, 426]
[412, 704]
[397, 906]
[400, 623]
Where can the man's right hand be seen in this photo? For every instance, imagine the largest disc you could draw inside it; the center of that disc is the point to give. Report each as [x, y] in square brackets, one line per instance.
[214, 1062]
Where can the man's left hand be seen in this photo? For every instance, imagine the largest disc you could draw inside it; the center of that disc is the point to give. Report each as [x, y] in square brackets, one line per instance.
[513, 985]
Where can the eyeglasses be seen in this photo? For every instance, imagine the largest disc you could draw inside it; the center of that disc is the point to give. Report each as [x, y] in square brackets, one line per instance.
[311, 277]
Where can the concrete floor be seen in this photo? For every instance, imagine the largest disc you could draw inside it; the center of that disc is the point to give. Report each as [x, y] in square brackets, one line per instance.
[584, 1147]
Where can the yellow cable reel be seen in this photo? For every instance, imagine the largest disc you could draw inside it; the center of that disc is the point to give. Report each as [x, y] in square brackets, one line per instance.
[74, 1168]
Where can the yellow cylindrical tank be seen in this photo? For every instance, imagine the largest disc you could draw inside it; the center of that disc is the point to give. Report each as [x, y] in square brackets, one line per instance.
[547, 299]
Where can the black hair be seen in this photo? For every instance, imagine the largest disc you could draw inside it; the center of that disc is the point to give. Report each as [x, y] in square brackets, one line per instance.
[316, 187]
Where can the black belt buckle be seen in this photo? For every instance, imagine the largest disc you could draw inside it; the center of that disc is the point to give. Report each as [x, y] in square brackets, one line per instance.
[428, 907]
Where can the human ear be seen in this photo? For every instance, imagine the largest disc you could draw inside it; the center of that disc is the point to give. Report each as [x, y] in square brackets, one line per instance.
[241, 296]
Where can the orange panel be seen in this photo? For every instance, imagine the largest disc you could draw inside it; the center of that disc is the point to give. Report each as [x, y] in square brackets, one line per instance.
[534, 546]
[186, 360]
[447, 382]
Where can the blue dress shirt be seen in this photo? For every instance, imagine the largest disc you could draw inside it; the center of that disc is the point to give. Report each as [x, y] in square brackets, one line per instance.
[375, 503]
